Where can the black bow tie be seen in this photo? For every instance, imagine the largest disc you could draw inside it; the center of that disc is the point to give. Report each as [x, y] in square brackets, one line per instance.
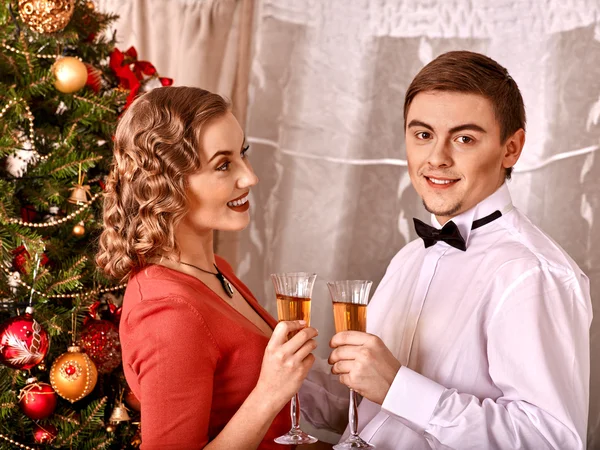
[449, 233]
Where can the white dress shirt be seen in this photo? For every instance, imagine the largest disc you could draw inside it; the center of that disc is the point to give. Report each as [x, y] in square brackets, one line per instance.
[493, 342]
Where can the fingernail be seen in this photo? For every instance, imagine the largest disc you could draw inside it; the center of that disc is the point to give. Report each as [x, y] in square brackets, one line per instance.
[302, 322]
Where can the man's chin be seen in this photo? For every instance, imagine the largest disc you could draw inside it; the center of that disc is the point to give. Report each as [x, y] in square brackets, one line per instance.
[443, 210]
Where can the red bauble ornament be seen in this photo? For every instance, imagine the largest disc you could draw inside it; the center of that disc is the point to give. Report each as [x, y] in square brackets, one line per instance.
[44, 434]
[100, 339]
[94, 79]
[23, 342]
[132, 401]
[37, 400]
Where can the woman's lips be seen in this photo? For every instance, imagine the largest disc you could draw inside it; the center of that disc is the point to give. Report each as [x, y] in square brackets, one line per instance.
[240, 204]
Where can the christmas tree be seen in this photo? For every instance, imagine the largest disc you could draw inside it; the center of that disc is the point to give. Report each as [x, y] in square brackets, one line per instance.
[63, 85]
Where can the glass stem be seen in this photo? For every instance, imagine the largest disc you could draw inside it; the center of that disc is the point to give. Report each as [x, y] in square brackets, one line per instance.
[295, 412]
[353, 414]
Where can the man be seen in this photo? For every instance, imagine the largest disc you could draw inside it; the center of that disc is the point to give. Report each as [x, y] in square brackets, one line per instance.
[478, 334]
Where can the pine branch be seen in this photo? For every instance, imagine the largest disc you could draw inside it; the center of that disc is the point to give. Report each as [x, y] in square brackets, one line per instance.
[93, 416]
[71, 167]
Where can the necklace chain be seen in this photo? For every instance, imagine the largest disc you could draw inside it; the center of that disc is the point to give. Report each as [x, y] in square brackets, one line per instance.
[227, 287]
[202, 270]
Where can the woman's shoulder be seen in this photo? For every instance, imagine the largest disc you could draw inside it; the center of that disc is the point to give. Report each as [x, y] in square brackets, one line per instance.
[163, 304]
[155, 289]
[155, 282]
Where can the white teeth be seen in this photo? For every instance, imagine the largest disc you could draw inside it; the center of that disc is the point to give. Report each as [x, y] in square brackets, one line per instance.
[239, 202]
[436, 181]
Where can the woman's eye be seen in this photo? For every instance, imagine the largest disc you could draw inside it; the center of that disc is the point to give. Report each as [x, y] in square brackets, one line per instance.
[423, 135]
[465, 139]
[224, 167]
[245, 151]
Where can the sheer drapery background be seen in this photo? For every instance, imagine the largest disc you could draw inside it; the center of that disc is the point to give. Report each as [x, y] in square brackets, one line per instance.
[326, 94]
[327, 84]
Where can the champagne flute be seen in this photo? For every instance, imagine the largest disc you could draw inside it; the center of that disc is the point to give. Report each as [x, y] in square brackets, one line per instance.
[294, 292]
[350, 300]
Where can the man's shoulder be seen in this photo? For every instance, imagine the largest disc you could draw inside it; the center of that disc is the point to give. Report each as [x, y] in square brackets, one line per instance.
[528, 245]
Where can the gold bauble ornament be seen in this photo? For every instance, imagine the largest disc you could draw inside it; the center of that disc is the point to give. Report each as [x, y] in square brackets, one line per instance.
[79, 229]
[46, 16]
[90, 5]
[73, 374]
[70, 73]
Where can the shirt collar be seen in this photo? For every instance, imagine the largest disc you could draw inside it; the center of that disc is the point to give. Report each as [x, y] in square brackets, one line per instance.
[498, 201]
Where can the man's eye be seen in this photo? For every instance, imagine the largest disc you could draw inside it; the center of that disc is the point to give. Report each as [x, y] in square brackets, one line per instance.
[465, 139]
[423, 135]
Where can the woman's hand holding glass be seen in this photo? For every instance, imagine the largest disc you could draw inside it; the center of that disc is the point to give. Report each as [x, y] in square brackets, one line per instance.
[286, 363]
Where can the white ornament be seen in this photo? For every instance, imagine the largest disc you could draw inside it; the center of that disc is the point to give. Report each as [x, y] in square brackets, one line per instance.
[13, 281]
[52, 213]
[152, 83]
[61, 108]
[17, 162]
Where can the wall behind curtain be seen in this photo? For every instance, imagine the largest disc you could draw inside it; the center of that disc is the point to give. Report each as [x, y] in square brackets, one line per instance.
[325, 119]
[200, 43]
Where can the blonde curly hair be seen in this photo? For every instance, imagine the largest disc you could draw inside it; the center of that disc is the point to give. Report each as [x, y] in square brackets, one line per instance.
[156, 147]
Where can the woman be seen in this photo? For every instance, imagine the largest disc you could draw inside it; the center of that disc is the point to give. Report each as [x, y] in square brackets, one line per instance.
[199, 352]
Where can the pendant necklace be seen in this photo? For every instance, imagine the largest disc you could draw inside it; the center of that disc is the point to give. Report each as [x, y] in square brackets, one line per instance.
[227, 287]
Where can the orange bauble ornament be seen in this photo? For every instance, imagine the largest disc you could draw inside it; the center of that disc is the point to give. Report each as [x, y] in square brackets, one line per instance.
[79, 229]
[70, 73]
[73, 374]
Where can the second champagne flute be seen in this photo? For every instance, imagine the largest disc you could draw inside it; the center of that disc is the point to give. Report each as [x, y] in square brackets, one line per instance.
[294, 293]
[350, 300]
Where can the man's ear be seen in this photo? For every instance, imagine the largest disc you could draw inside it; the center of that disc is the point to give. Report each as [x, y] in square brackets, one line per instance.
[513, 148]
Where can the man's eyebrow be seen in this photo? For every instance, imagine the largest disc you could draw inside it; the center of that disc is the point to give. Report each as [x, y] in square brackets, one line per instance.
[466, 126]
[418, 123]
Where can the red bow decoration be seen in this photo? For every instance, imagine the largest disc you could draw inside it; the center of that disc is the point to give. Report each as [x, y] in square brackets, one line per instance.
[21, 259]
[132, 72]
[104, 309]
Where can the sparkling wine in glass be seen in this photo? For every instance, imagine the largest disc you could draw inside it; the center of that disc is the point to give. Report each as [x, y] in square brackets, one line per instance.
[294, 292]
[350, 299]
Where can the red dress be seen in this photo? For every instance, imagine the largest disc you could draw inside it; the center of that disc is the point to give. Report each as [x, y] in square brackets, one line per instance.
[190, 358]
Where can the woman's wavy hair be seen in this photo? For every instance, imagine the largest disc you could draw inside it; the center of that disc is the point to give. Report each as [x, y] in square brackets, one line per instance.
[156, 147]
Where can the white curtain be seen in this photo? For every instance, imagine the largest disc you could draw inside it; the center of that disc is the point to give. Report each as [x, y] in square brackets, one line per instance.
[326, 93]
[189, 41]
